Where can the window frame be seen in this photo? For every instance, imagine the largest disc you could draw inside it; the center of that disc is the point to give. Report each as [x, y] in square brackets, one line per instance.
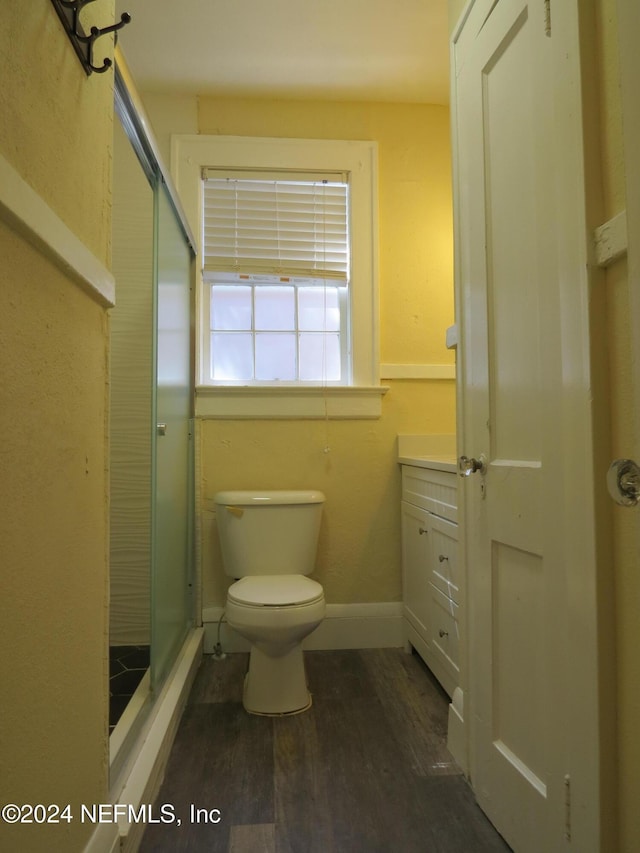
[362, 396]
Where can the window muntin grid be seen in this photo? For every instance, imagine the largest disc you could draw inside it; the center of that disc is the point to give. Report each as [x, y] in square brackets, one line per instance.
[266, 329]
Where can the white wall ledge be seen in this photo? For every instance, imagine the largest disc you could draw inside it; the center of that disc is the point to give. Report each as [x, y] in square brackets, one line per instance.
[287, 401]
[611, 240]
[25, 212]
[417, 371]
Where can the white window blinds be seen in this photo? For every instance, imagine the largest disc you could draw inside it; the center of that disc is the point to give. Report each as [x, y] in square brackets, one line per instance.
[283, 226]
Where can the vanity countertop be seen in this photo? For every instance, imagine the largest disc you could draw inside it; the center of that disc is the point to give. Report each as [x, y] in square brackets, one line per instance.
[428, 451]
[438, 463]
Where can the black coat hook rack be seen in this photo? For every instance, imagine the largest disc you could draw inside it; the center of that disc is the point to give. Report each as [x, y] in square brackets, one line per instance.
[69, 13]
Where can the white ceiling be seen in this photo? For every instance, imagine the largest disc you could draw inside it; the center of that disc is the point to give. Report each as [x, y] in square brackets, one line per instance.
[367, 50]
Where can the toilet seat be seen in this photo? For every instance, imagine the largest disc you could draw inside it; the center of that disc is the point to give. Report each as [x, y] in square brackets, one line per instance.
[275, 591]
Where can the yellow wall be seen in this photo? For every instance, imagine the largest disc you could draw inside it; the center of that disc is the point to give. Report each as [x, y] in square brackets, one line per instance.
[55, 130]
[359, 554]
[56, 123]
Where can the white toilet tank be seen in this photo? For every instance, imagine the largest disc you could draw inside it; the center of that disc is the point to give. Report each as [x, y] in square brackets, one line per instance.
[270, 532]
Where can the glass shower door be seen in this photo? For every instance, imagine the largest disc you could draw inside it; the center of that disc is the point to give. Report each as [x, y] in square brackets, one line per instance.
[171, 584]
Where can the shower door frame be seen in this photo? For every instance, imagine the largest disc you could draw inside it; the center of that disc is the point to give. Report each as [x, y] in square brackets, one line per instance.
[137, 128]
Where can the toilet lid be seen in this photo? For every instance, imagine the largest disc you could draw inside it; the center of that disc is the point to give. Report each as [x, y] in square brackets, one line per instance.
[275, 590]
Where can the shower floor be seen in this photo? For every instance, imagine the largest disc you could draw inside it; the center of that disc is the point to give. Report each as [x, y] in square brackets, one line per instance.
[127, 666]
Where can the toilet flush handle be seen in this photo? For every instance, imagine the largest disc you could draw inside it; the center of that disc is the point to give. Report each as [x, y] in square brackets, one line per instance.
[235, 510]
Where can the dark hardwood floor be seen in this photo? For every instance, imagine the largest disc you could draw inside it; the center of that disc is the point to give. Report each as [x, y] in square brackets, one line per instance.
[364, 770]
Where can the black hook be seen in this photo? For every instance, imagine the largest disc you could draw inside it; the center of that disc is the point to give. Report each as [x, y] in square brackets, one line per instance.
[96, 32]
[83, 43]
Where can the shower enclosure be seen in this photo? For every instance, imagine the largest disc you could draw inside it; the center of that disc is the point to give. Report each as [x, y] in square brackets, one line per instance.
[151, 425]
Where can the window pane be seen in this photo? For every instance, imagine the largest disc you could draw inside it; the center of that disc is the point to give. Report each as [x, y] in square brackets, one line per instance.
[230, 307]
[275, 308]
[231, 356]
[276, 357]
[318, 351]
[318, 309]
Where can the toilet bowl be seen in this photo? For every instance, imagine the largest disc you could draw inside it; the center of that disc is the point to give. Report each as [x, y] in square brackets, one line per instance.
[268, 541]
[276, 680]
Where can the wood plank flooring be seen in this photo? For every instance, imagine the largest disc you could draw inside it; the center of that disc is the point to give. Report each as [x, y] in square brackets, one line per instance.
[364, 770]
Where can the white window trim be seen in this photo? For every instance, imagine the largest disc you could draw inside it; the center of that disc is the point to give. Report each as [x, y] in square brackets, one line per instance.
[189, 154]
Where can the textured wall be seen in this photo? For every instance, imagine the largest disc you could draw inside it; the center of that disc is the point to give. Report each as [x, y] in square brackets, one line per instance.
[56, 123]
[55, 130]
[359, 552]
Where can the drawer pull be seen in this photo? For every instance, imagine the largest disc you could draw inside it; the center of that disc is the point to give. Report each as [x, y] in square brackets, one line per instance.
[442, 558]
[443, 633]
[422, 530]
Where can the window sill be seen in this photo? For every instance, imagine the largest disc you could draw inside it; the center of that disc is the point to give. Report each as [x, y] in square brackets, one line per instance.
[308, 402]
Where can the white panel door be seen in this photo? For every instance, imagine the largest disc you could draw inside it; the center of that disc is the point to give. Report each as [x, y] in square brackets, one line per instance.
[511, 358]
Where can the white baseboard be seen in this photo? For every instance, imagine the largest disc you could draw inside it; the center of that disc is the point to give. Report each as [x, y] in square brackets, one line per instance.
[456, 732]
[346, 626]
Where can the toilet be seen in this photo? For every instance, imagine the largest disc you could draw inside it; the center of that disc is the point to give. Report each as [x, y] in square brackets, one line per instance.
[269, 541]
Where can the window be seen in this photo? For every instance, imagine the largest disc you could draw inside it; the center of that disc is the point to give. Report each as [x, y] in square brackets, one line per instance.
[287, 327]
[275, 329]
[276, 276]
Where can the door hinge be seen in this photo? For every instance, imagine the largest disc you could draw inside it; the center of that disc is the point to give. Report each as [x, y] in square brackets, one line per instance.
[547, 18]
[567, 807]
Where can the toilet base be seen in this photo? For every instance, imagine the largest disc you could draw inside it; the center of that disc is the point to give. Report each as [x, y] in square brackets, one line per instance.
[276, 685]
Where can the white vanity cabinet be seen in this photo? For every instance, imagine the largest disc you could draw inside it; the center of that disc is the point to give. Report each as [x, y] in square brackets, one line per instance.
[431, 576]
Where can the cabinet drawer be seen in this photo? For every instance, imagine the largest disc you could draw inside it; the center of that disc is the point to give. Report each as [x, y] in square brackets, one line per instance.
[444, 630]
[436, 491]
[444, 556]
